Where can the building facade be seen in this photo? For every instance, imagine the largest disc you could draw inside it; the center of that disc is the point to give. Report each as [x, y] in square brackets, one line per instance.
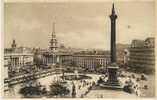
[91, 62]
[16, 59]
[142, 55]
[84, 59]
[19, 59]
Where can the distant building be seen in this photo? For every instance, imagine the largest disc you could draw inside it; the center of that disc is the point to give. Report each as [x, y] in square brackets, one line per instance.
[88, 61]
[137, 44]
[66, 56]
[17, 59]
[142, 55]
[51, 58]
[91, 62]
[121, 50]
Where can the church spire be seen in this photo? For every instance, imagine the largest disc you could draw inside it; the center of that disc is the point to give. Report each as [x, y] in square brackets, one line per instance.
[53, 30]
[53, 41]
[53, 27]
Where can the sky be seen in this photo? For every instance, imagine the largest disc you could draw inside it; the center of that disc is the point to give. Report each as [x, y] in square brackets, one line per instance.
[78, 25]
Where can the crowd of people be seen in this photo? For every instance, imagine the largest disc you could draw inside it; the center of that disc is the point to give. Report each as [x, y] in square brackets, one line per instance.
[82, 87]
[132, 83]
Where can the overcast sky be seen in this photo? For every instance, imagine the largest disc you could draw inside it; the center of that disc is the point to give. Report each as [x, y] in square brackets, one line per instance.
[79, 25]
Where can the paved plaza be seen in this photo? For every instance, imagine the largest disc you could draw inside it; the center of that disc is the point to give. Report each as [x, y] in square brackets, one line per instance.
[83, 91]
[106, 93]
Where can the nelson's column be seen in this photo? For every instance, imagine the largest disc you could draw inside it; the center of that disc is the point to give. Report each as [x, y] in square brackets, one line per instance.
[112, 68]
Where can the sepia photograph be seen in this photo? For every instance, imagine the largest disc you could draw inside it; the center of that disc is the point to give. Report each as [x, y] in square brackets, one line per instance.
[93, 49]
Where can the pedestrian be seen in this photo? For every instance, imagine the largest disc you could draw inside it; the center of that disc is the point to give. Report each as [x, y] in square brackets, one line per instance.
[79, 87]
[145, 86]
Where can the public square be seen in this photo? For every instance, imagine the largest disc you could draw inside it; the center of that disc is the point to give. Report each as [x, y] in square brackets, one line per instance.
[86, 88]
[79, 50]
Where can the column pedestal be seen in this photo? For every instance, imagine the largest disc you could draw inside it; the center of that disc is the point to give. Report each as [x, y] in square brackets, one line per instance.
[112, 81]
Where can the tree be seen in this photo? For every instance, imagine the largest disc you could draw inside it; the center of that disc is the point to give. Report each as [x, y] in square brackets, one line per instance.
[58, 89]
[31, 91]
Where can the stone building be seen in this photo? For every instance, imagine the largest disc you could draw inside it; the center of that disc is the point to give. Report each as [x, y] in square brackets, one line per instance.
[63, 56]
[91, 62]
[17, 59]
[87, 61]
[121, 50]
[142, 55]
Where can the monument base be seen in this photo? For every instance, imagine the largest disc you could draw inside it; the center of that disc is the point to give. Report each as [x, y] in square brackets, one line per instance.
[112, 82]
